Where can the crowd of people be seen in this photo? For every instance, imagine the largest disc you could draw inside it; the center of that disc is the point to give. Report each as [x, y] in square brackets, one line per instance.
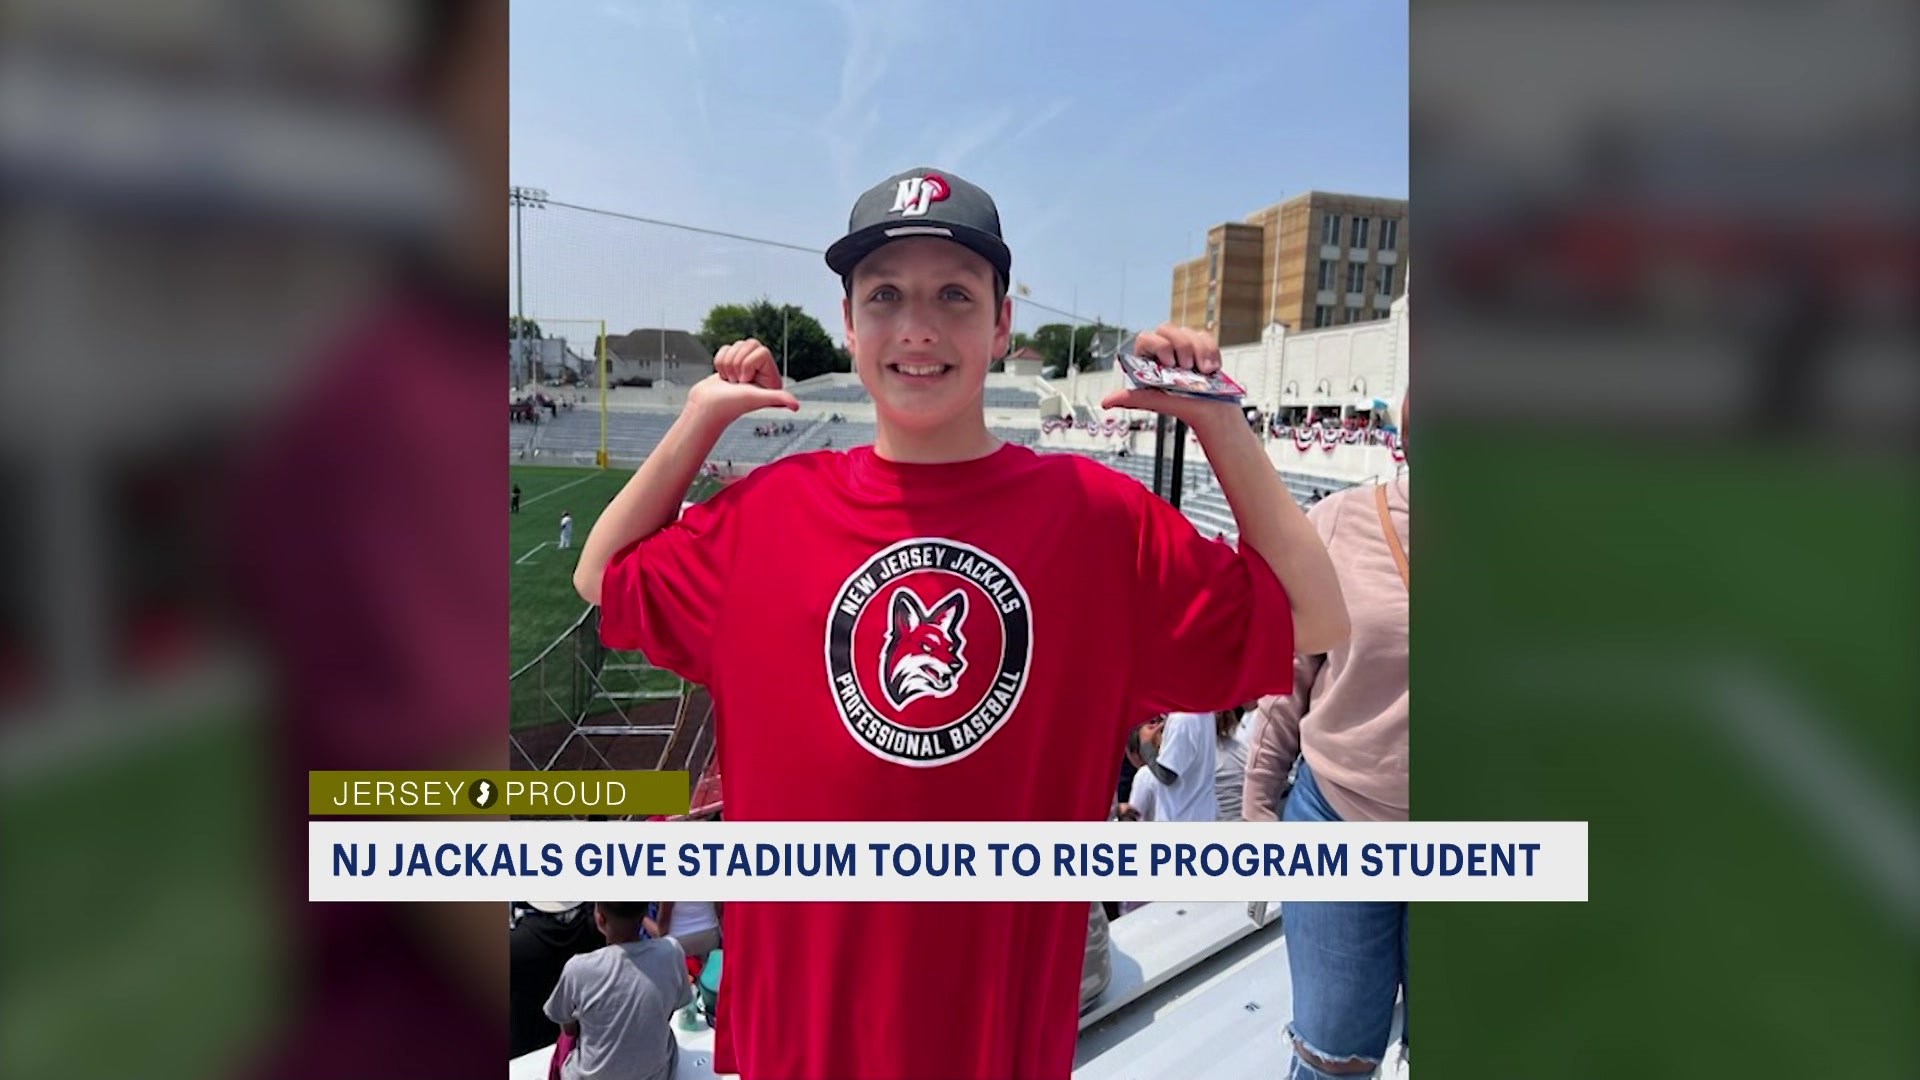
[527, 409]
[1109, 426]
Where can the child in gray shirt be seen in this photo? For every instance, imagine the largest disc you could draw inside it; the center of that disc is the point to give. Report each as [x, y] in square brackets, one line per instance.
[618, 1002]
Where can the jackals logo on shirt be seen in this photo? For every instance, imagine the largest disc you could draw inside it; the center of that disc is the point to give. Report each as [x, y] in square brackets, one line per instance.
[927, 650]
[923, 648]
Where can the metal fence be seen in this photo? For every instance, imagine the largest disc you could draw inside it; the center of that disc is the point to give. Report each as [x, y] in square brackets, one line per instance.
[579, 704]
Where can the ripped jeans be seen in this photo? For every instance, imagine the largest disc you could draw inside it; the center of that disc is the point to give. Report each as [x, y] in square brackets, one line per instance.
[1348, 962]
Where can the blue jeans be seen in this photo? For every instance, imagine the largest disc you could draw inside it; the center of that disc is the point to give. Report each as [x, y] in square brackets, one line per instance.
[1348, 961]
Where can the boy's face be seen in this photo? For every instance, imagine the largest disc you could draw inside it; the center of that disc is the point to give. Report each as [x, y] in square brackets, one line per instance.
[923, 326]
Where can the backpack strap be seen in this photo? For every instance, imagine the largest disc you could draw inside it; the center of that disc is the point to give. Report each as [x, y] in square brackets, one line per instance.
[1393, 537]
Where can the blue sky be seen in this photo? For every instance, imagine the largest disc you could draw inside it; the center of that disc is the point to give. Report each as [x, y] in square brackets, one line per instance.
[1111, 134]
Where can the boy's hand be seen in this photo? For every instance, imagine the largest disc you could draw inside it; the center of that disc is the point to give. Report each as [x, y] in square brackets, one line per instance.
[744, 380]
[1176, 347]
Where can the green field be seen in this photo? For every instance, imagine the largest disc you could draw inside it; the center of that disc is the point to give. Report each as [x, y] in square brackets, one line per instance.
[1583, 607]
[142, 892]
[142, 940]
[543, 602]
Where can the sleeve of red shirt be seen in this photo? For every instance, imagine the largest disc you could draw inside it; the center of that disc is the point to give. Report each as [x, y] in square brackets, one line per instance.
[662, 595]
[1213, 627]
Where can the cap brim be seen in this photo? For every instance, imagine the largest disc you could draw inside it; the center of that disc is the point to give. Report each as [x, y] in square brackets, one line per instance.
[847, 252]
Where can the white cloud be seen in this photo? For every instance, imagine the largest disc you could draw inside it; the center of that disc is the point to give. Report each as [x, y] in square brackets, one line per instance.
[1040, 120]
[875, 36]
[961, 145]
[670, 21]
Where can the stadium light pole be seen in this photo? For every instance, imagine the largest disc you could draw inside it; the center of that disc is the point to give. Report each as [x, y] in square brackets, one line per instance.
[1073, 334]
[521, 198]
[1273, 298]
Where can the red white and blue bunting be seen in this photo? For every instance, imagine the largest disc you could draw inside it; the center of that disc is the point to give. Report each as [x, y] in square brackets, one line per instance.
[1326, 438]
[1111, 427]
[1304, 438]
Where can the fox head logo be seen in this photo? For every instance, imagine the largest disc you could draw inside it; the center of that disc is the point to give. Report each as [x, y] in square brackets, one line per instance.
[919, 683]
[922, 657]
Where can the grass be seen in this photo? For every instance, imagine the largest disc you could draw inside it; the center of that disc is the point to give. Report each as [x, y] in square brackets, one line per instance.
[544, 604]
[143, 937]
[141, 941]
[1576, 597]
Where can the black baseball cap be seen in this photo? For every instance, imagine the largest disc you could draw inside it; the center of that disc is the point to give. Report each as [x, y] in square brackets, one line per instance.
[922, 202]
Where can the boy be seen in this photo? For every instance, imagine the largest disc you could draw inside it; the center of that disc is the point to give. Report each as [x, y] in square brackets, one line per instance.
[1185, 762]
[566, 529]
[618, 1002]
[952, 580]
[1150, 778]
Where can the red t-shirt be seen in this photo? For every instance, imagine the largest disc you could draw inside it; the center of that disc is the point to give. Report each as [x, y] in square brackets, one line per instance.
[964, 642]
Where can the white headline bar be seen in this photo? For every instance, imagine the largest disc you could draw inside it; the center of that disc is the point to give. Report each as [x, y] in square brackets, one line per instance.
[424, 860]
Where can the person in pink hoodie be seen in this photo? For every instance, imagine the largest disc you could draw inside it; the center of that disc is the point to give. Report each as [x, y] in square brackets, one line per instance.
[1342, 735]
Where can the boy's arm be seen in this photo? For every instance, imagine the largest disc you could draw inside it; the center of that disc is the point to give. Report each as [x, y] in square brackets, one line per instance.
[559, 1006]
[1274, 527]
[1271, 524]
[744, 379]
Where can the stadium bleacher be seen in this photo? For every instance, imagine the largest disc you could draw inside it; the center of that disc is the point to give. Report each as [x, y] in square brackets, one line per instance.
[844, 434]
[995, 397]
[1198, 472]
[631, 436]
[1207, 509]
[1200, 497]
[739, 444]
[849, 394]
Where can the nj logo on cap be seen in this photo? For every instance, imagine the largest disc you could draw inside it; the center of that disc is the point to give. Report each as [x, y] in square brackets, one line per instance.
[917, 194]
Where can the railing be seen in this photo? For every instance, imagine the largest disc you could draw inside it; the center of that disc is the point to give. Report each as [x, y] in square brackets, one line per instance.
[578, 696]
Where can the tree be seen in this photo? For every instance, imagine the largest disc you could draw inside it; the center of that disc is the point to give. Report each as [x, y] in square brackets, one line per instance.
[1021, 340]
[514, 325]
[1091, 334]
[1053, 339]
[809, 350]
